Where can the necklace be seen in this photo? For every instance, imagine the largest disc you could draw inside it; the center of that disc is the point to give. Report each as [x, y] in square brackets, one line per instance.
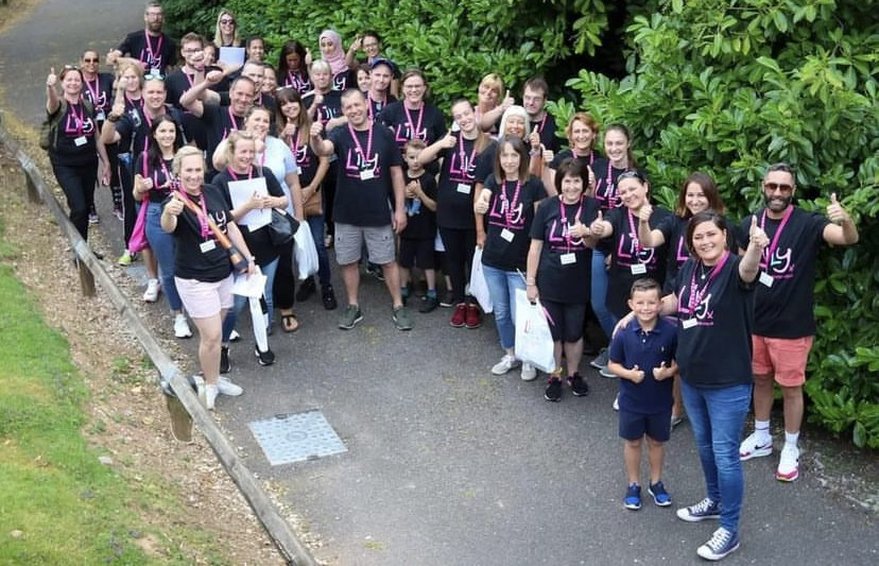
[704, 270]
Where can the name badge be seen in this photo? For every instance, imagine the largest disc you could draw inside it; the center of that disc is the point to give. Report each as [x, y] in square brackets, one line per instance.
[80, 141]
[367, 174]
[639, 269]
[569, 258]
[464, 188]
[507, 235]
[766, 279]
[207, 246]
[689, 323]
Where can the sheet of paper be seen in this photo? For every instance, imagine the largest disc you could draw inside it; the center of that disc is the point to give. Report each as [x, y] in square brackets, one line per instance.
[241, 192]
[250, 285]
[232, 55]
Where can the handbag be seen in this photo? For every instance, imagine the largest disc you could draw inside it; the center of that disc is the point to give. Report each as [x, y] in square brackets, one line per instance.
[313, 206]
[138, 240]
[282, 228]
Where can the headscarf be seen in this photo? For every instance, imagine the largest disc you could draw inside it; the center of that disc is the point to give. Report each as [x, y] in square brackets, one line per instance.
[337, 60]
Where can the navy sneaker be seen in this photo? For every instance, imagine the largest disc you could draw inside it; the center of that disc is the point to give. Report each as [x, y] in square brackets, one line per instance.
[702, 511]
[633, 497]
[660, 496]
[721, 544]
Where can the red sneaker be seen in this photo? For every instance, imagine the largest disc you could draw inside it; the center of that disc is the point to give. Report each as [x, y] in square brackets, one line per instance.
[459, 316]
[474, 316]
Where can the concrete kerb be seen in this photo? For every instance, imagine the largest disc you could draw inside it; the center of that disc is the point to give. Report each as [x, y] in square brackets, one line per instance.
[293, 551]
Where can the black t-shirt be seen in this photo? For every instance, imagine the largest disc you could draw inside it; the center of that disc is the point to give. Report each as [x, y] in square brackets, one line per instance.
[160, 175]
[426, 124]
[330, 108]
[589, 160]
[715, 323]
[785, 310]
[190, 261]
[485, 164]
[259, 242]
[306, 159]
[359, 201]
[376, 107]
[629, 261]
[299, 81]
[606, 183]
[508, 222]
[421, 221]
[343, 80]
[674, 230]
[76, 136]
[219, 121]
[546, 127]
[177, 83]
[100, 93]
[157, 52]
[135, 127]
[565, 269]
[454, 206]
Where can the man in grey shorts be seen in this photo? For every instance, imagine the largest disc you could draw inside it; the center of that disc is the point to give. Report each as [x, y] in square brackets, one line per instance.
[370, 169]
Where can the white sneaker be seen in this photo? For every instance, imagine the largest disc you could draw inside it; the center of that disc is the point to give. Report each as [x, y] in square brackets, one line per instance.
[227, 388]
[211, 390]
[755, 446]
[181, 327]
[234, 336]
[151, 295]
[789, 465]
[529, 372]
[507, 363]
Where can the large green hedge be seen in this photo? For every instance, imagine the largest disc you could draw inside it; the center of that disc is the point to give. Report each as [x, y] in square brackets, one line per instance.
[720, 86]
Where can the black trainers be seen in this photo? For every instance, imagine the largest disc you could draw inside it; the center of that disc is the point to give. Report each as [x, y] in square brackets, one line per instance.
[329, 298]
[428, 304]
[225, 363]
[578, 386]
[448, 301]
[266, 358]
[306, 290]
[553, 390]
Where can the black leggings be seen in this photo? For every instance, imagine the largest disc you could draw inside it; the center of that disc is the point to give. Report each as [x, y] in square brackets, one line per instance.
[328, 188]
[78, 183]
[126, 181]
[459, 246]
[284, 287]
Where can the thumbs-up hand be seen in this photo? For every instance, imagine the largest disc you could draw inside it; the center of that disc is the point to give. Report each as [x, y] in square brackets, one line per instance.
[316, 129]
[835, 212]
[661, 372]
[508, 100]
[636, 374]
[449, 141]
[52, 79]
[481, 205]
[598, 226]
[756, 234]
[534, 138]
[591, 190]
[645, 212]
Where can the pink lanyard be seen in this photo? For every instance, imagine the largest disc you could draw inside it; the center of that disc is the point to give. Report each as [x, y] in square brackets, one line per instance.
[203, 218]
[414, 128]
[542, 124]
[564, 217]
[462, 153]
[149, 46]
[634, 233]
[364, 156]
[696, 294]
[232, 121]
[190, 78]
[510, 205]
[235, 177]
[94, 92]
[165, 173]
[770, 251]
[78, 118]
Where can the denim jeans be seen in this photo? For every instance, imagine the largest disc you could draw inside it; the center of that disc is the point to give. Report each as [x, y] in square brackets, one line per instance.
[164, 247]
[316, 224]
[232, 316]
[598, 294]
[502, 287]
[717, 417]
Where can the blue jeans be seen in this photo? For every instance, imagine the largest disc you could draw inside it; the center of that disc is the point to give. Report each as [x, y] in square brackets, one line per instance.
[317, 224]
[502, 287]
[598, 295]
[164, 247]
[717, 417]
[232, 316]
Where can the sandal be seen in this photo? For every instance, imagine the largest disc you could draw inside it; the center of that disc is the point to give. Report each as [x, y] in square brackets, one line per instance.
[289, 322]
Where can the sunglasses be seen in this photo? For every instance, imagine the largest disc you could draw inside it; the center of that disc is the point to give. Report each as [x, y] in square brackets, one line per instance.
[783, 187]
[227, 22]
[632, 174]
[91, 60]
[71, 68]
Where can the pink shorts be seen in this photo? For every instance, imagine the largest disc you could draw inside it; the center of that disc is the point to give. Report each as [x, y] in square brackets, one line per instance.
[785, 358]
[204, 300]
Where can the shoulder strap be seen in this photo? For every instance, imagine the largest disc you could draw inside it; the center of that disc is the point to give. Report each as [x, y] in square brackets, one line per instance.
[56, 119]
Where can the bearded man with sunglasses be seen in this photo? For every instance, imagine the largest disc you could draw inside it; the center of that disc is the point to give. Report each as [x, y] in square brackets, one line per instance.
[784, 323]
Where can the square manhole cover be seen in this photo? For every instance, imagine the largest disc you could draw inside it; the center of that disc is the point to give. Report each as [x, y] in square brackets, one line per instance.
[294, 438]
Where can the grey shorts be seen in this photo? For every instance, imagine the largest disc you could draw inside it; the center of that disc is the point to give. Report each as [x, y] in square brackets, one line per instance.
[380, 243]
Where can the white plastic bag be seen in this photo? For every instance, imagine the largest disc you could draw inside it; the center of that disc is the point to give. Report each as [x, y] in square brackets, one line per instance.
[533, 338]
[305, 253]
[478, 286]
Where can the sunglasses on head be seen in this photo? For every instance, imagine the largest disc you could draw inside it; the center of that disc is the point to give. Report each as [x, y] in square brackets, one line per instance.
[153, 77]
[632, 174]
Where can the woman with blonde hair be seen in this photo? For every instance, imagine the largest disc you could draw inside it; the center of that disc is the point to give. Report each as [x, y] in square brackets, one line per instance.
[226, 30]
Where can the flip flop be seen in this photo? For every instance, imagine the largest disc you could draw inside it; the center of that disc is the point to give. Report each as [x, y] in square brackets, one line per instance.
[289, 322]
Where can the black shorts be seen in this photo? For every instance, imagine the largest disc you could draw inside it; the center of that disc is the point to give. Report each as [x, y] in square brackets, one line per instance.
[635, 425]
[416, 253]
[566, 320]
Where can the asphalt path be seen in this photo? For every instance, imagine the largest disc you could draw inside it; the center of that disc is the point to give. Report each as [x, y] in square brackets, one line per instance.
[445, 463]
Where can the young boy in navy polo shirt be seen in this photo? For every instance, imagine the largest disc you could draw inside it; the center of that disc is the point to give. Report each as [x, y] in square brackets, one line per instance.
[642, 354]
